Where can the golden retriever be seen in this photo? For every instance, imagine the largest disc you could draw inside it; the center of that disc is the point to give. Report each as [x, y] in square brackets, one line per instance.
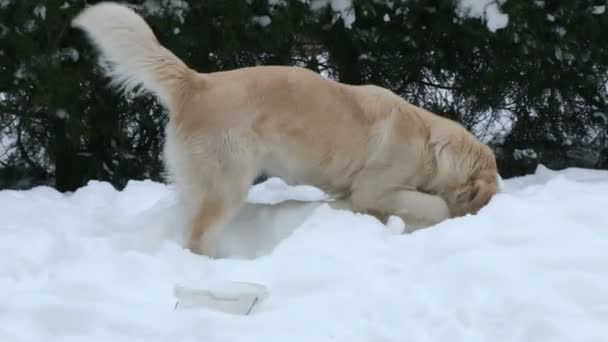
[362, 144]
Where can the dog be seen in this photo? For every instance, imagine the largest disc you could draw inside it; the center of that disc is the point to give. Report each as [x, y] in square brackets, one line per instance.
[363, 145]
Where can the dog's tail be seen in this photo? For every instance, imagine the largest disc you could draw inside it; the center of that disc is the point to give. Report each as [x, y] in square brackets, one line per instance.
[134, 57]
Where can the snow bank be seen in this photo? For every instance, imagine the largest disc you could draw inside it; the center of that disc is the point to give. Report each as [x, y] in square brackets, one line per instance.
[100, 265]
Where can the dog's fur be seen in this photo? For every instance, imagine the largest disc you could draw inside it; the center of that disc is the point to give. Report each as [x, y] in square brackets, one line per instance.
[363, 144]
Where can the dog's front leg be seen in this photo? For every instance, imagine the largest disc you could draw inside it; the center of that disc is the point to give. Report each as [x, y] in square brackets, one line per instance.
[417, 209]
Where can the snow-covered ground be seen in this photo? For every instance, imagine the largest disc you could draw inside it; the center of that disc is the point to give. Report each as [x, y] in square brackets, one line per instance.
[100, 265]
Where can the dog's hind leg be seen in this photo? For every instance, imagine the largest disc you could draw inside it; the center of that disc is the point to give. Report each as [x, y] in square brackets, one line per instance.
[218, 205]
[206, 221]
[213, 181]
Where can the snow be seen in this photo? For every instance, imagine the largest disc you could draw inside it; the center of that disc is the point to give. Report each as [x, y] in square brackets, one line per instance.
[344, 9]
[485, 9]
[3, 30]
[40, 11]
[262, 20]
[275, 190]
[62, 113]
[601, 116]
[599, 9]
[176, 7]
[100, 265]
[30, 26]
[68, 53]
[20, 73]
[527, 153]
[7, 144]
[495, 19]
[561, 31]
[488, 10]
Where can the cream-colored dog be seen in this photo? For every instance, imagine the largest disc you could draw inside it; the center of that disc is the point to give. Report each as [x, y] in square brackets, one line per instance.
[362, 144]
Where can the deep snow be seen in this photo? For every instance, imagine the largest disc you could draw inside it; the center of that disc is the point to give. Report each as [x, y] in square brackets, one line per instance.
[100, 265]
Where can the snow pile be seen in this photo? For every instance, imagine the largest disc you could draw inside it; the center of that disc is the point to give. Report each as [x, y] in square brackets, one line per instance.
[100, 265]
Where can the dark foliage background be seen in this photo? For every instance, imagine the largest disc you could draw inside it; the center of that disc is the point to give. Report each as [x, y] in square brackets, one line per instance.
[536, 90]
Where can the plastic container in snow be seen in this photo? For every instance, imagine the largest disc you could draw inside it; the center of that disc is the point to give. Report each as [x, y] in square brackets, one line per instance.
[238, 298]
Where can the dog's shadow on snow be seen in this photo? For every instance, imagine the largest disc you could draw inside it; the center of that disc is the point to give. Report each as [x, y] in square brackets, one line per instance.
[258, 228]
[272, 212]
[255, 230]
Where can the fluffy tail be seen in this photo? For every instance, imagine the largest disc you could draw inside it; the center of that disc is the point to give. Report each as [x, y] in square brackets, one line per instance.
[134, 58]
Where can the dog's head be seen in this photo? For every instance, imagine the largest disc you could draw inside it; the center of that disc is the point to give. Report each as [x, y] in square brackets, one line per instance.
[475, 191]
[470, 197]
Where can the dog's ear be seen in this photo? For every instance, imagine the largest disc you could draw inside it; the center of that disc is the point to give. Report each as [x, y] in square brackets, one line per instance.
[482, 190]
[472, 196]
[459, 200]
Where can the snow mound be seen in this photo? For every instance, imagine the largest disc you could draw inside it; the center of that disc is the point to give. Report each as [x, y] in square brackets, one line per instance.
[100, 265]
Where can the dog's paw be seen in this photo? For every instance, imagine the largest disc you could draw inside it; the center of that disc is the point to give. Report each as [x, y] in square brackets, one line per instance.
[197, 247]
[396, 225]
